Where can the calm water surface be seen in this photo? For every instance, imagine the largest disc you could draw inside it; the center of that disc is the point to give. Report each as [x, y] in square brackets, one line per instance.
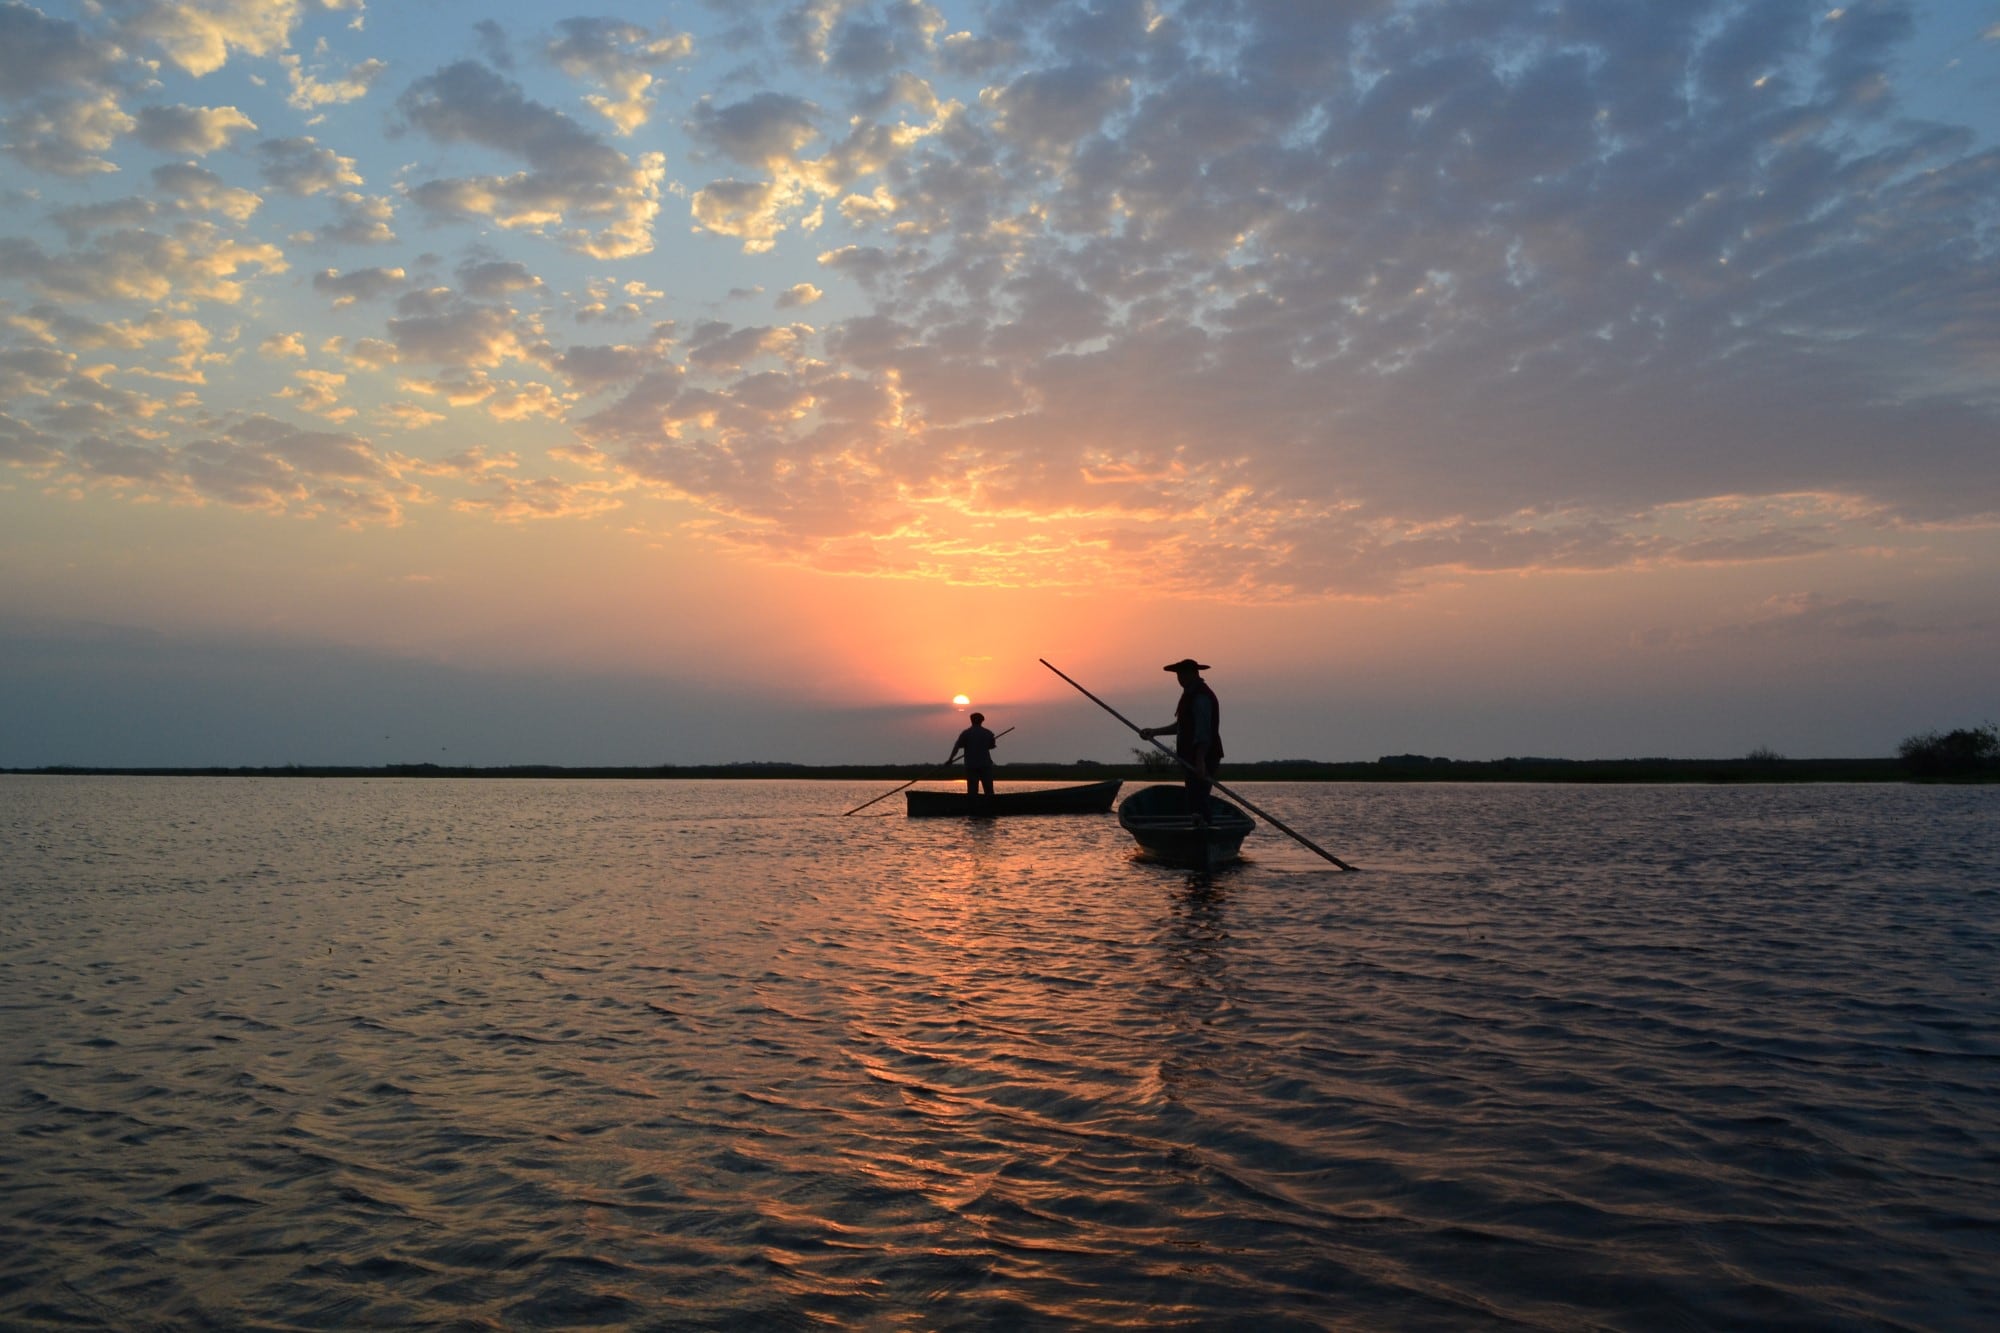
[509, 1054]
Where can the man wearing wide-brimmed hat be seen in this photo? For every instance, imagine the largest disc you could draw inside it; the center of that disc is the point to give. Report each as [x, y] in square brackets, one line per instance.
[1197, 733]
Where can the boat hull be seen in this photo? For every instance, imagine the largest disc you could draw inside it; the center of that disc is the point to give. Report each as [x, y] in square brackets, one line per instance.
[1159, 821]
[1091, 798]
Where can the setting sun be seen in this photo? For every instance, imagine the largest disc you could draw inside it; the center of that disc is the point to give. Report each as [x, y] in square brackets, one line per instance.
[960, 700]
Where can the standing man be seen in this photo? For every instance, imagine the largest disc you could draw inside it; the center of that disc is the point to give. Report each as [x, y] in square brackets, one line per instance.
[978, 743]
[1197, 733]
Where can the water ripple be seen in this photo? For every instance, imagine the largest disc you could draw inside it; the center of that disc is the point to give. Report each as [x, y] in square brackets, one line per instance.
[290, 1054]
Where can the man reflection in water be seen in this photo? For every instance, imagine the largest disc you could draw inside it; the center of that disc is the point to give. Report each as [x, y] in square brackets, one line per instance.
[978, 743]
[1197, 733]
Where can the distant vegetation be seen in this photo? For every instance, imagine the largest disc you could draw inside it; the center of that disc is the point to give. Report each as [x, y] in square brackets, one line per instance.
[1965, 753]
[1758, 766]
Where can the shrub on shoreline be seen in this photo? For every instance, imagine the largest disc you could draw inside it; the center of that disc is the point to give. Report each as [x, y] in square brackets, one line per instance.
[1951, 754]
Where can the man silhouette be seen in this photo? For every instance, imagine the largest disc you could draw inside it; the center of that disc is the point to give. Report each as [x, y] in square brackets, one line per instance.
[1197, 733]
[978, 743]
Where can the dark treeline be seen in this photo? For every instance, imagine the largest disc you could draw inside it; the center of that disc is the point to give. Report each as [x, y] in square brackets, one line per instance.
[1390, 768]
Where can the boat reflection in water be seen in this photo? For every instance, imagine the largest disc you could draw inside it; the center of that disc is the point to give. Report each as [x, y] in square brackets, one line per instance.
[1158, 817]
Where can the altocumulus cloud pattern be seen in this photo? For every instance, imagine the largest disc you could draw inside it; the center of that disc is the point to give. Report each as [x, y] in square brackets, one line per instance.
[1266, 299]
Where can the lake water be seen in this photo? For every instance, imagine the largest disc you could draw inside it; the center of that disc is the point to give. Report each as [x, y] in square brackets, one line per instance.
[518, 1054]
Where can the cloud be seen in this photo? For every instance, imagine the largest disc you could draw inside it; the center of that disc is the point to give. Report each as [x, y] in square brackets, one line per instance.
[869, 265]
[362, 284]
[719, 346]
[66, 136]
[257, 463]
[863, 49]
[770, 132]
[1053, 110]
[576, 186]
[621, 57]
[599, 303]
[515, 500]
[23, 445]
[592, 368]
[497, 492]
[310, 92]
[1257, 300]
[49, 69]
[51, 327]
[499, 398]
[1798, 617]
[471, 464]
[404, 417]
[437, 326]
[300, 166]
[116, 462]
[25, 370]
[192, 261]
[358, 219]
[524, 400]
[494, 45]
[766, 130]
[858, 43]
[40, 54]
[469, 103]
[198, 190]
[751, 211]
[242, 476]
[80, 221]
[1810, 614]
[200, 35]
[319, 392]
[190, 129]
[495, 278]
[1469, 297]
[973, 55]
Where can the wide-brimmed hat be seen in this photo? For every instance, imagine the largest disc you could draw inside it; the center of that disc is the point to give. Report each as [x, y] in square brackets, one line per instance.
[1185, 663]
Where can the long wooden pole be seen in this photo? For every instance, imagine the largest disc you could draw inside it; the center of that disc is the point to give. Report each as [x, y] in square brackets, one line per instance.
[1272, 820]
[915, 780]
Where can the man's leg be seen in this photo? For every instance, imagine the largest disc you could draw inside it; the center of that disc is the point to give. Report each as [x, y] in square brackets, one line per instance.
[1197, 798]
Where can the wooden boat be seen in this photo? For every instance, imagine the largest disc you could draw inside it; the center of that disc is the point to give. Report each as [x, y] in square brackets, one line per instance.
[1090, 798]
[1158, 817]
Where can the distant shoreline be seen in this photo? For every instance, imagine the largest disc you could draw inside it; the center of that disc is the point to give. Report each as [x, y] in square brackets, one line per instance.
[1404, 768]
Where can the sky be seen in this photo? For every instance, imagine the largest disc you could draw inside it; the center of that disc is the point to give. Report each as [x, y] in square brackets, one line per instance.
[701, 382]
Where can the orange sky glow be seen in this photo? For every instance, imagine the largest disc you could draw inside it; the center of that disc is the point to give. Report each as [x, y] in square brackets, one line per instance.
[677, 387]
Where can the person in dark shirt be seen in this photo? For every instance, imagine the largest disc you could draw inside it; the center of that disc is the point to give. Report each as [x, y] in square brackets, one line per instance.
[978, 743]
[1197, 733]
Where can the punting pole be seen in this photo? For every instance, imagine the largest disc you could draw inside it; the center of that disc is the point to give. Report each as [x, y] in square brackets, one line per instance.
[1275, 823]
[915, 780]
